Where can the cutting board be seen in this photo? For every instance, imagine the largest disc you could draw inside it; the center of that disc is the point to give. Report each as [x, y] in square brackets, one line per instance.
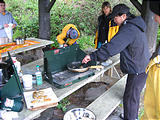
[41, 105]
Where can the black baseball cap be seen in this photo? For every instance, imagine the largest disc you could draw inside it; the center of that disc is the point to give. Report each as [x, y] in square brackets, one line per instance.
[155, 6]
[119, 9]
[2, 1]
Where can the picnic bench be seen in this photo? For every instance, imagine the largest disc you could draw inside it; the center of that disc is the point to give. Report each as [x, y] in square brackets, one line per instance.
[102, 106]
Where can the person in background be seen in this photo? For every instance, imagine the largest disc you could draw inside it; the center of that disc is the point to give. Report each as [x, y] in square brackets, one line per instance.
[107, 28]
[68, 36]
[152, 91]
[6, 19]
[131, 42]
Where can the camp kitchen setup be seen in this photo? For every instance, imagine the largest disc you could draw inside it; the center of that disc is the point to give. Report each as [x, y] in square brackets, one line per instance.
[64, 68]
[62, 74]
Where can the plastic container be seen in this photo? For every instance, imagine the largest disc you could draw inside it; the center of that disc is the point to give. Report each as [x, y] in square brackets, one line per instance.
[38, 76]
[27, 81]
[79, 114]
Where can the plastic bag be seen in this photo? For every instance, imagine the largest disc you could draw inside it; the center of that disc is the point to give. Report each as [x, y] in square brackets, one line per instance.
[8, 30]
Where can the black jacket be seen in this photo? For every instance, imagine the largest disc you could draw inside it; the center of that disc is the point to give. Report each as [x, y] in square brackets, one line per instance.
[103, 28]
[131, 43]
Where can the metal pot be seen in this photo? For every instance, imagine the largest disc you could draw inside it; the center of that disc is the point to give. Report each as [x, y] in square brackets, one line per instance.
[19, 41]
[80, 67]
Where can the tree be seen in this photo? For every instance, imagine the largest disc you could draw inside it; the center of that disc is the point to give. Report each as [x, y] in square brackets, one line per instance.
[152, 26]
[44, 18]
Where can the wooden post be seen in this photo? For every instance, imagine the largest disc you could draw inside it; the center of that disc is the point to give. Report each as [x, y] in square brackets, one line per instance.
[44, 20]
[152, 26]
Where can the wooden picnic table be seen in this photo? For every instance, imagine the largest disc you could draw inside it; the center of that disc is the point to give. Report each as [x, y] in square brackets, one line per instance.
[42, 43]
[61, 93]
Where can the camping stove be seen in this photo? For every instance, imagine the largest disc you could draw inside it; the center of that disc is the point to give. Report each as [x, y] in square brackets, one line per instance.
[55, 66]
[67, 77]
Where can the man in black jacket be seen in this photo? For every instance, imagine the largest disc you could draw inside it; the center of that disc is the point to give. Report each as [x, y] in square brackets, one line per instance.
[131, 43]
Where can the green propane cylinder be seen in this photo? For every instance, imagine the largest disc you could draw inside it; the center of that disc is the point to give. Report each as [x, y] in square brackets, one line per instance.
[12, 104]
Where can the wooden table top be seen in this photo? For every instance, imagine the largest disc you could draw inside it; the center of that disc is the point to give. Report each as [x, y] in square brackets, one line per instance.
[42, 43]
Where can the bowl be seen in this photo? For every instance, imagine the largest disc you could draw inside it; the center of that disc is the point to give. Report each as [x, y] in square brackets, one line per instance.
[79, 114]
[19, 41]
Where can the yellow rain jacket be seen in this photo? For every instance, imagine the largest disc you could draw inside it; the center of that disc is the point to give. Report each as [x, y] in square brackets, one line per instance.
[63, 35]
[111, 33]
[152, 92]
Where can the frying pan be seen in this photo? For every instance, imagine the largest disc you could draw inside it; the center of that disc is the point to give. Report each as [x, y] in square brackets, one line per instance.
[80, 67]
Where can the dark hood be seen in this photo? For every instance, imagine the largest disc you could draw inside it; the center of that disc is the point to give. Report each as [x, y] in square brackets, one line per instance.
[139, 22]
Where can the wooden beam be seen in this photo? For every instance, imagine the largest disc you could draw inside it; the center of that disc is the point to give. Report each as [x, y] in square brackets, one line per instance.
[44, 20]
[50, 5]
[137, 5]
[152, 26]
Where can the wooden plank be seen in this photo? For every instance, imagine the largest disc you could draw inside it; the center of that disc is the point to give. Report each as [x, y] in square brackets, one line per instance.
[104, 105]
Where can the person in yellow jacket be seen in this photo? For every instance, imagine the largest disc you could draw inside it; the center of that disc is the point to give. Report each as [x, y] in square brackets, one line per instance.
[107, 28]
[68, 36]
[152, 91]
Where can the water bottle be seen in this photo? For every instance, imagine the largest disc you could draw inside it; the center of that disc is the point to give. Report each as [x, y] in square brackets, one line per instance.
[38, 75]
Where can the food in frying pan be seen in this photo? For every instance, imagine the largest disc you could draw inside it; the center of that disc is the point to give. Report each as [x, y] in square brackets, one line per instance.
[77, 65]
[81, 67]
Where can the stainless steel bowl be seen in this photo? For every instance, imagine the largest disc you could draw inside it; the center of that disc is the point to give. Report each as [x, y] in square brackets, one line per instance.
[19, 41]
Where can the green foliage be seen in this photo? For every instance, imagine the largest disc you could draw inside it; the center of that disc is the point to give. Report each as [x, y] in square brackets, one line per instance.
[25, 13]
[86, 42]
[63, 104]
[82, 13]
[141, 113]
[158, 36]
[18, 34]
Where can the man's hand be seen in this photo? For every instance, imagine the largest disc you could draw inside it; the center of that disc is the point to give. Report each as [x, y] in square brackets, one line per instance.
[65, 45]
[6, 25]
[13, 26]
[86, 59]
[56, 51]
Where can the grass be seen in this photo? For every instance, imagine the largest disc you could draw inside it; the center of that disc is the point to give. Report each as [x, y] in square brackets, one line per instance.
[86, 42]
[141, 112]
